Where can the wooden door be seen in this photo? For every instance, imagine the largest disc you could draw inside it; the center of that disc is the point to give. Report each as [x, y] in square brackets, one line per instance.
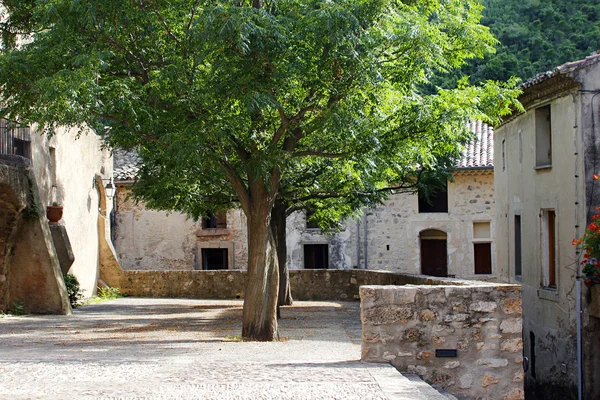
[483, 258]
[434, 257]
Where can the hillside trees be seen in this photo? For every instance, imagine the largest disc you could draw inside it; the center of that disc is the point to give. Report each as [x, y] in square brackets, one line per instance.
[232, 100]
[535, 36]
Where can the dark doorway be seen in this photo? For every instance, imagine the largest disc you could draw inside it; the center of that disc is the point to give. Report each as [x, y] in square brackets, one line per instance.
[434, 253]
[483, 258]
[316, 256]
[213, 259]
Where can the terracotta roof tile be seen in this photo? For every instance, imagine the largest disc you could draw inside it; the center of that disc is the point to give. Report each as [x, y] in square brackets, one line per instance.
[479, 153]
[126, 165]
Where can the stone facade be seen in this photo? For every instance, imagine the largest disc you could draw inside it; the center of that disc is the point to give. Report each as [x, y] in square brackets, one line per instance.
[408, 325]
[545, 198]
[385, 238]
[390, 233]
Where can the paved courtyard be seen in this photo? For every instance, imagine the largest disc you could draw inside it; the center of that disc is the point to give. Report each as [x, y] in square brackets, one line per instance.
[134, 348]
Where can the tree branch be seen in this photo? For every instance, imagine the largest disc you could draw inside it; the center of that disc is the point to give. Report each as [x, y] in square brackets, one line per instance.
[238, 185]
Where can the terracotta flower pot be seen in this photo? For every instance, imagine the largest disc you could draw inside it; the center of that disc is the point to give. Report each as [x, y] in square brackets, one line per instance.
[54, 214]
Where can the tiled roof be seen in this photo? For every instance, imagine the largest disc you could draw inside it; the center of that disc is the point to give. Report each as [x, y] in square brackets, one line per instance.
[479, 153]
[562, 69]
[126, 165]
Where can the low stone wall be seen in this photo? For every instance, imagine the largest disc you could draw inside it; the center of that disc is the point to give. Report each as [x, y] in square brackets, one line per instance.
[327, 284]
[405, 325]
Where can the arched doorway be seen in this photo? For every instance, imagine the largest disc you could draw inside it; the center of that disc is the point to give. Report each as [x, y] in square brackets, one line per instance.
[434, 252]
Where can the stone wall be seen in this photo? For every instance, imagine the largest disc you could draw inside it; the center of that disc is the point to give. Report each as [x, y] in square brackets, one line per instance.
[405, 325]
[29, 268]
[228, 284]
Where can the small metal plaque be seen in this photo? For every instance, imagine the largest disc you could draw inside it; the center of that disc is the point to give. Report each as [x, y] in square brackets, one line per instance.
[446, 353]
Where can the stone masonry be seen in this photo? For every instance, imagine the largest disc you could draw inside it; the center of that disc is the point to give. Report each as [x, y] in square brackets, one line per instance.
[405, 325]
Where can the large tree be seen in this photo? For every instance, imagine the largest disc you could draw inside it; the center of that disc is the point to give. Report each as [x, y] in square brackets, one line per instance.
[246, 95]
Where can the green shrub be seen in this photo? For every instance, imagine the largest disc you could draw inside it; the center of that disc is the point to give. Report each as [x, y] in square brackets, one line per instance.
[17, 308]
[73, 290]
[109, 293]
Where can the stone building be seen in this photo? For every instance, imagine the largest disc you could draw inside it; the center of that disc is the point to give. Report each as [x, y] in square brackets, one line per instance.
[37, 171]
[545, 196]
[452, 236]
[455, 232]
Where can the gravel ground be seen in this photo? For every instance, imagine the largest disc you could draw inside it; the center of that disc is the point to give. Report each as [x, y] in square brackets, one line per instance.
[134, 348]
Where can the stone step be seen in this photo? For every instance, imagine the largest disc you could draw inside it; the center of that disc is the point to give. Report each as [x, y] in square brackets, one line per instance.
[427, 390]
[397, 386]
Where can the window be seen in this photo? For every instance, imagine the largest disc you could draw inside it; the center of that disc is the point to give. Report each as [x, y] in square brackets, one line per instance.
[436, 203]
[316, 256]
[311, 224]
[212, 222]
[53, 166]
[543, 137]
[215, 259]
[482, 247]
[503, 154]
[517, 239]
[14, 139]
[549, 248]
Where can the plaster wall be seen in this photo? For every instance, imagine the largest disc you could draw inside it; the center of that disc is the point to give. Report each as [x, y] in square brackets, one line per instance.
[522, 189]
[155, 240]
[76, 163]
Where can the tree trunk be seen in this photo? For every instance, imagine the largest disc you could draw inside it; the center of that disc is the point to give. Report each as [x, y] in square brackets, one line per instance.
[278, 226]
[260, 301]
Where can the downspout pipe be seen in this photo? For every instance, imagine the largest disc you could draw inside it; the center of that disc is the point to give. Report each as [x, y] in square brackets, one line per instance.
[367, 240]
[358, 243]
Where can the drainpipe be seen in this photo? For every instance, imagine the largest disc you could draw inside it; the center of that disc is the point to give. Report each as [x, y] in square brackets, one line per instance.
[358, 243]
[367, 240]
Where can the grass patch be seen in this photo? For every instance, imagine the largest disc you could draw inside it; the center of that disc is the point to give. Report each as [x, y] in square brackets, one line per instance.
[105, 294]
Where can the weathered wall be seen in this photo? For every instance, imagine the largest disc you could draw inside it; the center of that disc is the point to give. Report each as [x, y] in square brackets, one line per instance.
[154, 240]
[590, 121]
[297, 235]
[77, 162]
[405, 325]
[548, 313]
[29, 268]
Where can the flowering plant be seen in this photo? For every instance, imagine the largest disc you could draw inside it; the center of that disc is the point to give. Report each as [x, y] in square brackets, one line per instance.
[591, 243]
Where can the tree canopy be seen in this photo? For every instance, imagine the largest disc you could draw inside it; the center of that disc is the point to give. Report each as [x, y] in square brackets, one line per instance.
[253, 101]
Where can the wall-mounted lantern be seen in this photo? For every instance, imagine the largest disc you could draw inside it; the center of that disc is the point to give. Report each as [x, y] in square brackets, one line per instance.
[109, 189]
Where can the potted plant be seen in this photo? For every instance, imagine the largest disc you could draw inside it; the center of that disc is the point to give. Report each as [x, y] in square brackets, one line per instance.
[54, 213]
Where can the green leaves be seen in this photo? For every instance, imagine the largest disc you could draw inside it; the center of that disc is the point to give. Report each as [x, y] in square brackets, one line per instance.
[317, 102]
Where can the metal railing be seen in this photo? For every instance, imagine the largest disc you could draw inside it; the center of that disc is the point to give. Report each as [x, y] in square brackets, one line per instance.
[14, 139]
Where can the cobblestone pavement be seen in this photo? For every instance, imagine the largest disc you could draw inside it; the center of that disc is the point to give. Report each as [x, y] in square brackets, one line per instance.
[135, 348]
